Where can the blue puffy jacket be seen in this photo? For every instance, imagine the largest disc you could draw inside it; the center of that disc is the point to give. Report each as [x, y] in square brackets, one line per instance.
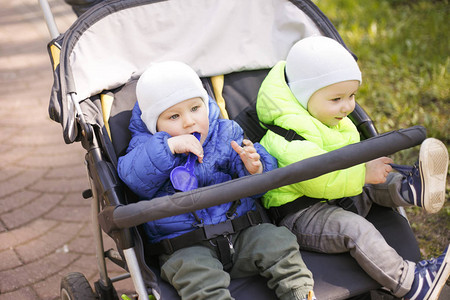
[147, 165]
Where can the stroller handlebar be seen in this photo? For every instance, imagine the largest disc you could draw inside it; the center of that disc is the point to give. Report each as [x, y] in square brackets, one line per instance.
[126, 216]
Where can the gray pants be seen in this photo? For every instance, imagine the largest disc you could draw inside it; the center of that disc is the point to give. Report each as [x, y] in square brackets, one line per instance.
[265, 249]
[331, 229]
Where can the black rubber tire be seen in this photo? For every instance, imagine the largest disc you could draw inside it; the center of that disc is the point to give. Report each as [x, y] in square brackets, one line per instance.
[74, 286]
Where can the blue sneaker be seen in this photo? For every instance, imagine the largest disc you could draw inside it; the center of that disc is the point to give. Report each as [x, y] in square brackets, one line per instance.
[425, 181]
[430, 277]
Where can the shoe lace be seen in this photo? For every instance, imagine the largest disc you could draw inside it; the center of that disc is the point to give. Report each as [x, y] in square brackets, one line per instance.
[408, 171]
[425, 267]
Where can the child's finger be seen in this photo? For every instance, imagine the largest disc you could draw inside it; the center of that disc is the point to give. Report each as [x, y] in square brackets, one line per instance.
[247, 142]
[386, 160]
[249, 148]
[239, 150]
[257, 163]
[193, 146]
[257, 167]
[254, 156]
[199, 152]
[388, 168]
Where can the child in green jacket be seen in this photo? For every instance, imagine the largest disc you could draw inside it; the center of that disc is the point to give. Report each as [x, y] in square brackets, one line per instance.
[312, 93]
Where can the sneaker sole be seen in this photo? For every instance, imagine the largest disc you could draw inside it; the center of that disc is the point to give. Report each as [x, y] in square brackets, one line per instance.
[433, 162]
[440, 279]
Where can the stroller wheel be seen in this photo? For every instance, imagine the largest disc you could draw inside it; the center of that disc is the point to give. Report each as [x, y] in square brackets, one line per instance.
[74, 286]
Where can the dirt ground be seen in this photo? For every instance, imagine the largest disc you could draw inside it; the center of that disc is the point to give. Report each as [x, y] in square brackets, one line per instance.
[432, 230]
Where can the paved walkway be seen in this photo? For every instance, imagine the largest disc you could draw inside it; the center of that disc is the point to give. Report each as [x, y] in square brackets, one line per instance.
[45, 228]
[44, 222]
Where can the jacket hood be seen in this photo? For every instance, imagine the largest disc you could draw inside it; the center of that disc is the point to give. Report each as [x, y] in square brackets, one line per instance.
[275, 99]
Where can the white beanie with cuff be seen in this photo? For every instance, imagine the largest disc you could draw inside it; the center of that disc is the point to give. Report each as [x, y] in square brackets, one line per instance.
[316, 62]
[165, 84]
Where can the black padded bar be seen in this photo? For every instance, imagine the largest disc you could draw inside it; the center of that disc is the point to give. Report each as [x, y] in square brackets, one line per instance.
[134, 214]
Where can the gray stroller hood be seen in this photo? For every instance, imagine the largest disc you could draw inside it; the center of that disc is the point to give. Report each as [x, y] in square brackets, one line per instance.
[117, 40]
[109, 47]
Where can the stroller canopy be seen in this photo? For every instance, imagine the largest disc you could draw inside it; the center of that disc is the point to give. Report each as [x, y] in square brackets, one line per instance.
[106, 48]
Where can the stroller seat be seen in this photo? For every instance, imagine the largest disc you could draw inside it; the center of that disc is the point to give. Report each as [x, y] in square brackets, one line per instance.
[96, 65]
[342, 277]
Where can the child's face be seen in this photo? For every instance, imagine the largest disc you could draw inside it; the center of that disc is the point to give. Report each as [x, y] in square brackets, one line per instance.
[334, 102]
[185, 117]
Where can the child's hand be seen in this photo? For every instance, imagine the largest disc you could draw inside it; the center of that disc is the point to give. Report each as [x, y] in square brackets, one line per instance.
[377, 170]
[184, 144]
[249, 156]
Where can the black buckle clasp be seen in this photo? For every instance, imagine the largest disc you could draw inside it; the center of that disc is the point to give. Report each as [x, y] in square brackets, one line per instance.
[215, 230]
[347, 204]
[254, 218]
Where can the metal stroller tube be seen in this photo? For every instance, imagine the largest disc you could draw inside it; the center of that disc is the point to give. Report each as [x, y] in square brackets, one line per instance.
[126, 216]
[49, 19]
[363, 122]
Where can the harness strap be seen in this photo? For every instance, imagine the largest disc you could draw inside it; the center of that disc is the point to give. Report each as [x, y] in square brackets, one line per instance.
[224, 247]
[279, 212]
[232, 210]
[289, 135]
[346, 203]
[205, 233]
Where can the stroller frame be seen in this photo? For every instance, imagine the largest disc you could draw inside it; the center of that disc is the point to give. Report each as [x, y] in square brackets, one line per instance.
[112, 209]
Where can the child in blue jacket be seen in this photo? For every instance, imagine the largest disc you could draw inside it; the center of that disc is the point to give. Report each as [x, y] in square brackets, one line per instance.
[172, 105]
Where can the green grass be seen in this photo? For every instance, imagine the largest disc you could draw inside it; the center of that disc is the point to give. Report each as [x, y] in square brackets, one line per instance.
[403, 52]
[403, 49]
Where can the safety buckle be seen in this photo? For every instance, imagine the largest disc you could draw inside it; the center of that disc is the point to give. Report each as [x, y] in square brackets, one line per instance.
[214, 230]
[231, 216]
[346, 203]
[198, 225]
[253, 218]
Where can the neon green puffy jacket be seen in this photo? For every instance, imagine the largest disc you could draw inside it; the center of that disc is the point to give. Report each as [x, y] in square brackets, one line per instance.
[277, 105]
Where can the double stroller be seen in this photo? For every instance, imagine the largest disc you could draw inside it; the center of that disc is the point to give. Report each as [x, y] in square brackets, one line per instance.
[231, 44]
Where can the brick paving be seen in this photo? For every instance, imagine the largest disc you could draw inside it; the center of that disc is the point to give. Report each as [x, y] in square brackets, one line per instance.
[45, 229]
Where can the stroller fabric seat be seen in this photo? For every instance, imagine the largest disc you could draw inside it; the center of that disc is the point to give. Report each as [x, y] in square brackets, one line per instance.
[231, 44]
[334, 275]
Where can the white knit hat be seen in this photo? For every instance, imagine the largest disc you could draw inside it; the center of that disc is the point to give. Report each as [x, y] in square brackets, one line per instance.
[163, 85]
[316, 62]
